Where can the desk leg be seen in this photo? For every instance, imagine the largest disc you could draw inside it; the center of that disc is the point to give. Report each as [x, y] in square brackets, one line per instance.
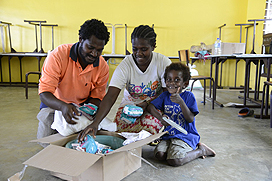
[235, 78]
[256, 81]
[267, 99]
[211, 69]
[39, 66]
[1, 68]
[259, 81]
[20, 58]
[39, 63]
[221, 72]
[9, 57]
[271, 110]
[216, 76]
[216, 82]
[246, 87]
[248, 79]
[267, 88]
[246, 82]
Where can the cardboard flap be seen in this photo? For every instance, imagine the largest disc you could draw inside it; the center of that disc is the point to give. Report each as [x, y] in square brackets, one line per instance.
[138, 143]
[48, 139]
[62, 160]
[55, 139]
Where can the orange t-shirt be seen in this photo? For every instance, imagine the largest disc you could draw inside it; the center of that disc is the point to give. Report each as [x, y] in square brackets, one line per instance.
[63, 76]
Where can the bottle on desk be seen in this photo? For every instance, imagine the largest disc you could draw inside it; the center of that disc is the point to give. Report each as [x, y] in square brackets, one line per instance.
[217, 47]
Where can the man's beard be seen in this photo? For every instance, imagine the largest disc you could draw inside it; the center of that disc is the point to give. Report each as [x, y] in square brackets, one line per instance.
[84, 57]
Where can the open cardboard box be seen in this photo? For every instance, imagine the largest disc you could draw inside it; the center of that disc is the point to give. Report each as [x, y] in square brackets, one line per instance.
[71, 164]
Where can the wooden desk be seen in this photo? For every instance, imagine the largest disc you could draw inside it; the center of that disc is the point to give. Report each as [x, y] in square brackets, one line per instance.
[20, 56]
[248, 58]
[217, 59]
[173, 57]
[194, 59]
[39, 56]
[108, 56]
[258, 60]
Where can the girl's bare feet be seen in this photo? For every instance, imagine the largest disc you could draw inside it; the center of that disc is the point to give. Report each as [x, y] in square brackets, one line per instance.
[206, 151]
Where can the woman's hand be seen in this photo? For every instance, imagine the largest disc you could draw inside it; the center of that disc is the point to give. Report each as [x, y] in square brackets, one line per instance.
[143, 105]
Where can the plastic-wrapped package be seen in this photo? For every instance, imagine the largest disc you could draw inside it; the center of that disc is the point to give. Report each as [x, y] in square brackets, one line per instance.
[133, 111]
[89, 108]
[88, 145]
[130, 113]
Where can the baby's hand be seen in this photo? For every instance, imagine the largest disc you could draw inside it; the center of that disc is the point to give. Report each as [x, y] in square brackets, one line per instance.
[175, 97]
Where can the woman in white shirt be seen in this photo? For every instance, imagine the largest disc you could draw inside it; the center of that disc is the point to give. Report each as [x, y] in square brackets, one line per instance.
[141, 73]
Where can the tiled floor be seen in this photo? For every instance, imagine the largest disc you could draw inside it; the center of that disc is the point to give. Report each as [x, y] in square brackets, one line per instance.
[243, 145]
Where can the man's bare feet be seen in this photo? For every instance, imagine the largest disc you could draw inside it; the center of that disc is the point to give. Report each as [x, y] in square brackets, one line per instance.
[206, 151]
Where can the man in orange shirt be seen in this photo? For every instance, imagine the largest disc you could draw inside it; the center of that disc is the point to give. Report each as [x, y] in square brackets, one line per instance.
[73, 73]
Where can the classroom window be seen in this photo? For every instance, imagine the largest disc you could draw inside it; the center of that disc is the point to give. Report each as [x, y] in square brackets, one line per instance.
[268, 15]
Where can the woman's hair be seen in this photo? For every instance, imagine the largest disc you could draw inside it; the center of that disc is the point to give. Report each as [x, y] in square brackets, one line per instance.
[179, 67]
[94, 27]
[145, 32]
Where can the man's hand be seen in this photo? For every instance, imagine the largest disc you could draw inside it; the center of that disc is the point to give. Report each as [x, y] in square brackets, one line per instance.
[69, 112]
[175, 97]
[92, 129]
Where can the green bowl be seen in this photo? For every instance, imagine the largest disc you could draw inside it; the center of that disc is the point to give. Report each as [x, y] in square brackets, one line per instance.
[113, 142]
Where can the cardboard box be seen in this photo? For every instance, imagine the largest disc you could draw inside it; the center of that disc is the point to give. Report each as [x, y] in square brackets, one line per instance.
[71, 164]
[231, 48]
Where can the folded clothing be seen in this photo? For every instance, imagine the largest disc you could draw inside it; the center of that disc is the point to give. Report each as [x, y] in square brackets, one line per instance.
[89, 108]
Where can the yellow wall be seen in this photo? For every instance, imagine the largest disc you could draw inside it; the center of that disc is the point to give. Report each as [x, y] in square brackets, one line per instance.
[178, 23]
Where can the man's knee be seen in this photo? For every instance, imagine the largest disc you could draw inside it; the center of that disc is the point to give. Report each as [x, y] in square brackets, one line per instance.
[46, 115]
[46, 118]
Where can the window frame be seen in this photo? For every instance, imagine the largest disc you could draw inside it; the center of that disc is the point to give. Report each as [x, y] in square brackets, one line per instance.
[268, 15]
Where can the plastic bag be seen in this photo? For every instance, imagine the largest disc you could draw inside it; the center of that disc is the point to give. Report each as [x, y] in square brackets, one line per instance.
[66, 129]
